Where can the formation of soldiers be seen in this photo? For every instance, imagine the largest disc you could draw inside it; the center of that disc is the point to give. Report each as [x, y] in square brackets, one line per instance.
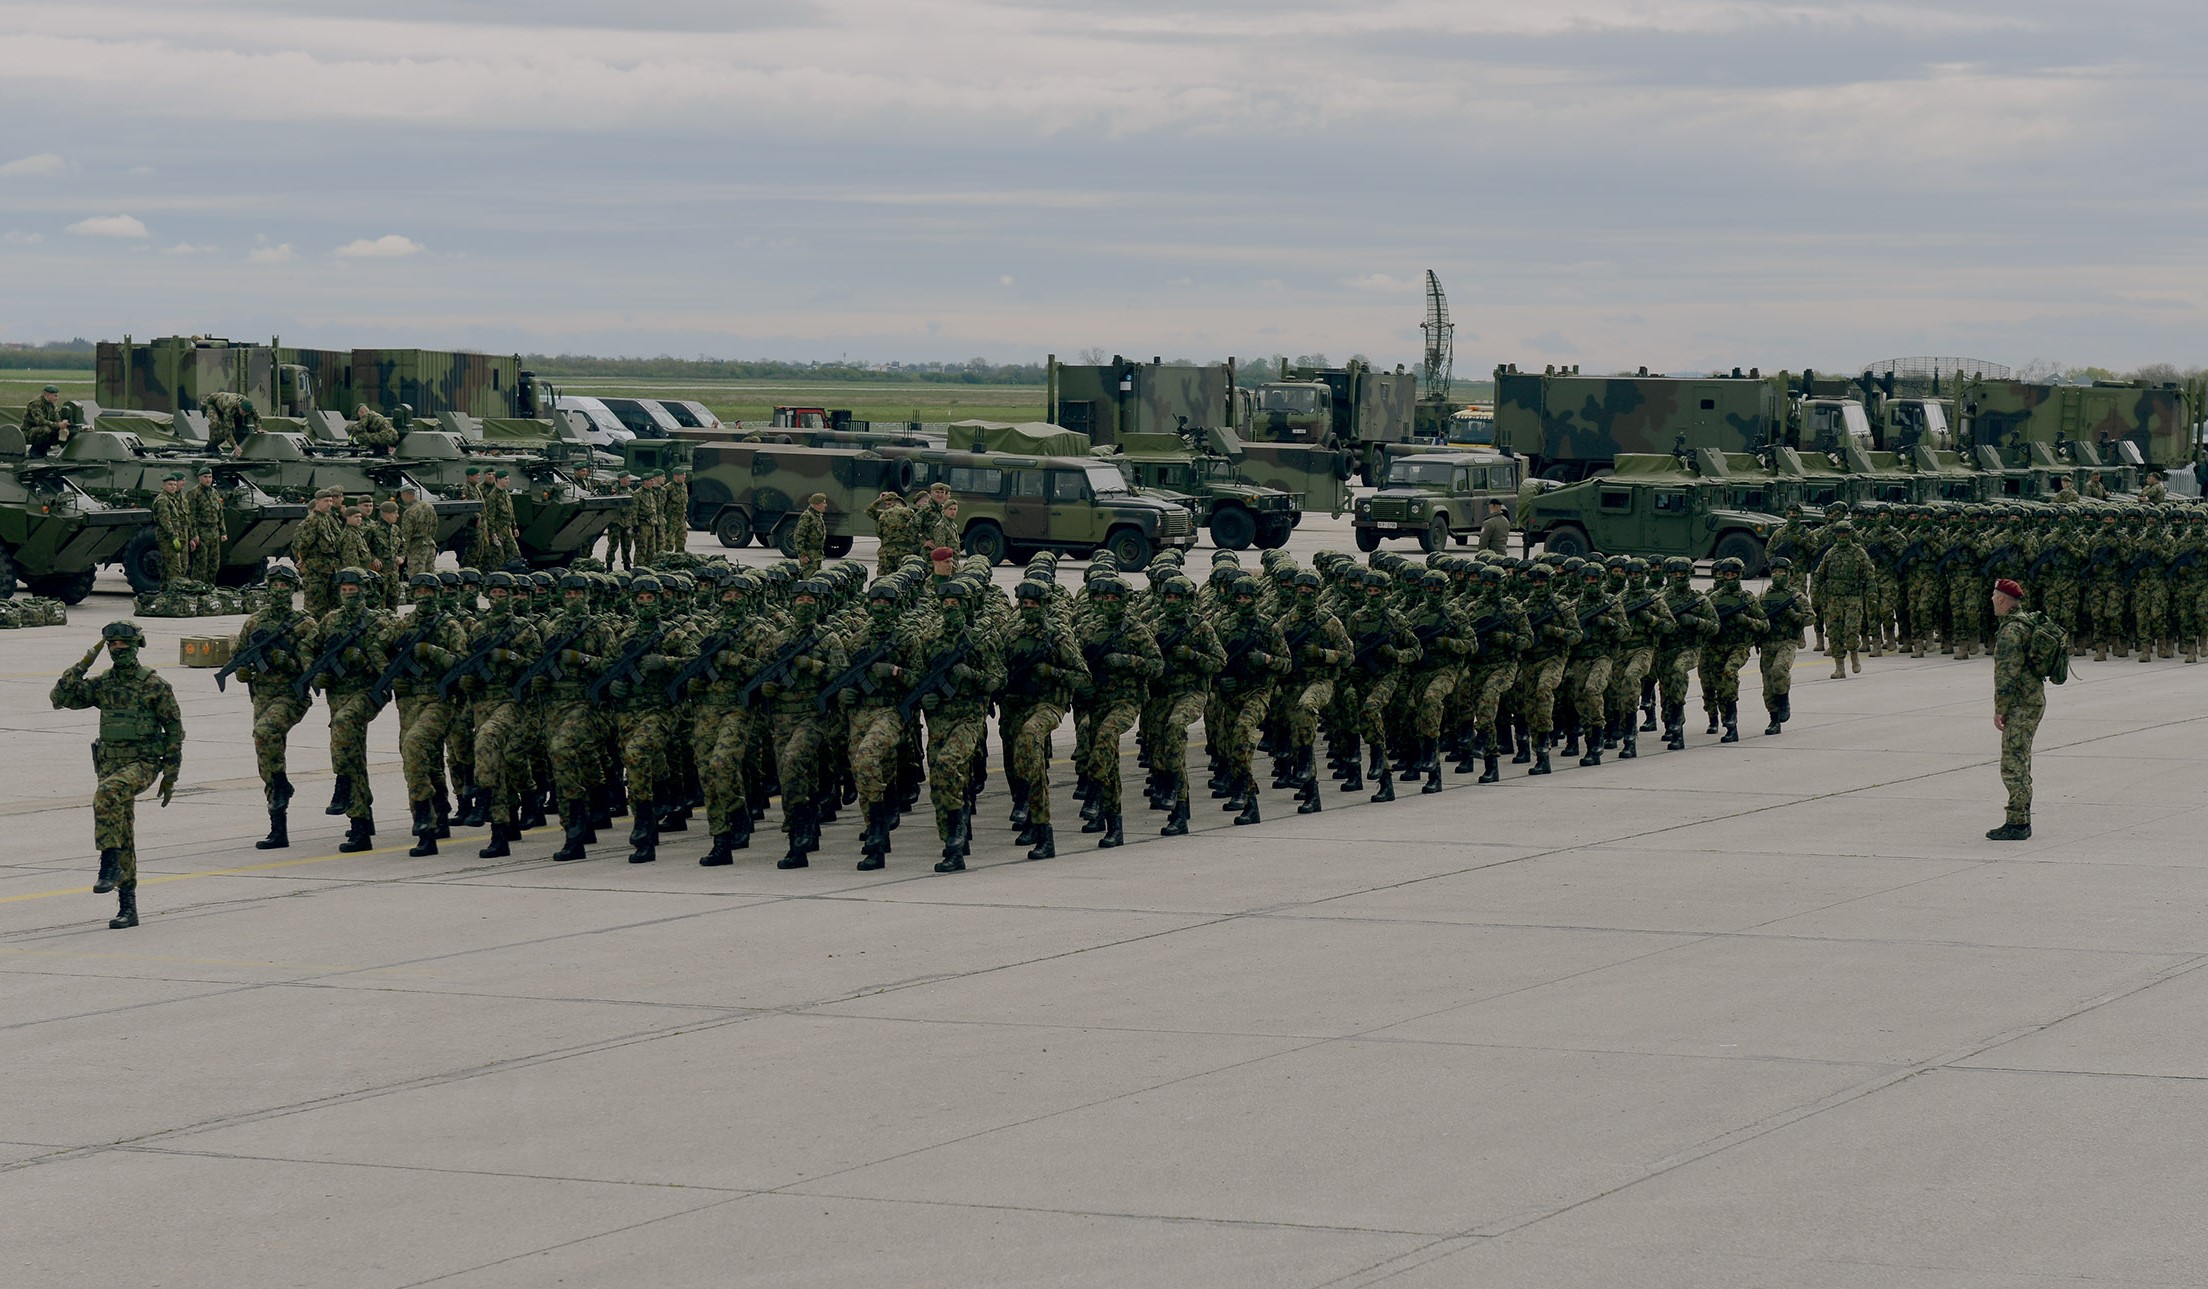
[703, 686]
[386, 541]
[2122, 579]
[188, 527]
[654, 524]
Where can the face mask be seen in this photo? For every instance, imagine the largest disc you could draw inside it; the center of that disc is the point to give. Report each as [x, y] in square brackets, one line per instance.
[805, 610]
[125, 658]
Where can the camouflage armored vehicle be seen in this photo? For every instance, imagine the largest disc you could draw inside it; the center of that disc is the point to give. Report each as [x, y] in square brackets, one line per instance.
[1570, 426]
[556, 518]
[1011, 505]
[176, 373]
[53, 534]
[1434, 496]
[122, 470]
[1203, 475]
[2127, 423]
[743, 491]
[1652, 505]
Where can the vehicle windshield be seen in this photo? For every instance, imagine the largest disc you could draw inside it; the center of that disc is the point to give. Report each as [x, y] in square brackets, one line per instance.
[1104, 480]
[1287, 398]
[1472, 429]
[1857, 423]
[1935, 419]
[1420, 472]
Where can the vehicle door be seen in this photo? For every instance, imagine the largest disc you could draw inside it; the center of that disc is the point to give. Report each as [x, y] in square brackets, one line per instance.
[1027, 507]
[1668, 527]
[1072, 513]
[1620, 523]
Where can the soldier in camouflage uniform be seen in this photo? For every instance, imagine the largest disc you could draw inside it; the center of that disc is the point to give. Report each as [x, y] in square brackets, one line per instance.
[574, 645]
[958, 710]
[461, 590]
[385, 545]
[417, 531]
[898, 529]
[1256, 657]
[44, 427]
[892, 656]
[1740, 624]
[509, 643]
[1121, 655]
[2019, 701]
[678, 508]
[373, 430]
[1695, 622]
[1785, 614]
[1648, 620]
[1318, 647]
[141, 739]
[1555, 627]
[434, 640]
[207, 529]
[1192, 655]
[1043, 667]
[1446, 645]
[293, 639]
[174, 529]
[621, 533]
[809, 544]
[360, 631]
[1587, 670]
[230, 417]
[648, 516]
[797, 731]
[498, 506]
[1504, 632]
[1844, 581]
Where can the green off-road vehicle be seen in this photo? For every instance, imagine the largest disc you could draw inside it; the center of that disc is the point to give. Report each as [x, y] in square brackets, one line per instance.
[1434, 496]
[1238, 513]
[1652, 505]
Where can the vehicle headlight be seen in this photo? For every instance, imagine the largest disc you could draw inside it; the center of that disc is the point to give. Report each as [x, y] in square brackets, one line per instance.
[1416, 506]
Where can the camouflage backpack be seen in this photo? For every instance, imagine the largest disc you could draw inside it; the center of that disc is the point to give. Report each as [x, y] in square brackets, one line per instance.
[41, 611]
[2046, 647]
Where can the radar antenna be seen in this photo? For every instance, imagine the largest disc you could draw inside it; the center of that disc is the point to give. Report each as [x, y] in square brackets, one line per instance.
[1441, 344]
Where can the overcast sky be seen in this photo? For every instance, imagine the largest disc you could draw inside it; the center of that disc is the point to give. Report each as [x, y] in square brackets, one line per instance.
[1681, 183]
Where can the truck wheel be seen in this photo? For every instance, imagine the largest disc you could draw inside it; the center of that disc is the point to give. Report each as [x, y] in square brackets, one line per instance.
[1232, 528]
[142, 562]
[785, 536]
[69, 588]
[1272, 532]
[1368, 540]
[1744, 548]
[1568, 541]
[836, 547]
[987, 540]
[7, 573]
[1343, 466]
[1436, 536]
[733, 528]
[1129, 547]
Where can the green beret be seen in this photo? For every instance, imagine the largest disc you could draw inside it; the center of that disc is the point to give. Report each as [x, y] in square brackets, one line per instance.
[475, 469]
[503, 474]
[51, 389]
[174, 476]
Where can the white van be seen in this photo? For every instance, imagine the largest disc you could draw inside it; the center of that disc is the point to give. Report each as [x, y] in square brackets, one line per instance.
[606, 430]
[642, 417]
[690, 414]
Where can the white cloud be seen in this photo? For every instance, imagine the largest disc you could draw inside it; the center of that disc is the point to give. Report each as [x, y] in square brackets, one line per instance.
[267, 254]
[17, 237]
[43, 163]
[1381, 282]
[390, 246]
[186, 248]
[109, 226]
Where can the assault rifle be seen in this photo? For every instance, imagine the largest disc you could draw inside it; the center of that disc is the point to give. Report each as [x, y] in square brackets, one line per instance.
[253, 655]
[778, 668]
[859, 675]
[705, 665]
[1366, 653]
[477, 663]
[626, 663]
[1910, 554]
[402, 664]
[548, 666]
[332, 659]
[1995, 556]
[938, 680]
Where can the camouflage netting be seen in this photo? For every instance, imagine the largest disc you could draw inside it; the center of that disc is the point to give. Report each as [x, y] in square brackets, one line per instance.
[32, 611]
[184, 598]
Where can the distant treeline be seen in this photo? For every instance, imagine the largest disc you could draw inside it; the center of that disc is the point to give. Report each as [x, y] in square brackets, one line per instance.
[54, 355]
[975, 371]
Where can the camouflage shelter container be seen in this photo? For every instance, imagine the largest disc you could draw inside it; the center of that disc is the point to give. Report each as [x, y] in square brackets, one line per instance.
[745, 491]
[2127, 423]
[1570, 426]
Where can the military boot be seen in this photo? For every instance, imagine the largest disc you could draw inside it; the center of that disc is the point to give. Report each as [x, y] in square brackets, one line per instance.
[601, 810]
[2010, 831]
[126, 908]
[425, 831]
[440, 813]
[1386, 782]
[1353, 777]
[1490, 772]
[1525, 747]
[279, 791]
[575, 826]
[808, 835]
[796, 856]
[1092, 814]
[475, 807]
[1732, 722]
[673, 818]
[1786, 708]
[954, 847]
[341, 797]
[1712, 713]
[1046, 842]
[111, 869]
[1772, 710]
[1309, 799]
[532, 809]
[646, 850]
[1176, 823]
[1648, 716]
[1113, 834]
[1610, 733]
[617, 798]
[874, 842]
[1020, 815]
[501, 844]
[1433, 768]
[1571, 740]
[739, 836]
[360, 836]
[1594, 748]
[1855, 660]
[1250, 813]
[1540, 759]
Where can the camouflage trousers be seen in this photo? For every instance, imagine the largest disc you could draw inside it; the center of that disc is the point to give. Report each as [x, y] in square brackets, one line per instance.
[2058, 598]
[1242, 716]
[1538, 679]
[1100, 750]
[574, 740]
[1374, 697]
[876, 735]
[1427, 697]
[1845, 625]
[176, 565]
[499, 768]
[1482, 690]
[1627, 671]
[424, 722]
[207, 560]
[1776, 658]
[1168, 721]
[115, 808]
[1889, 607]
[2150, 612]
[2020, 725]
[1721, 664]
[1304, 705]
[1967, 609]
[800, 737]
[351, 713]
[1028, 758]
[460, 741]
[954, 736]
[1674, 672]
[1926, 599]
[316, 595]
[277, 710]
[421, 557]
[2106, 603]
[620, 544]
[644, 735]
[1587, 681]
[891, 555]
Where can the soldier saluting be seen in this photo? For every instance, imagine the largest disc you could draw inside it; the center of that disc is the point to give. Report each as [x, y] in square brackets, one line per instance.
[141, 739]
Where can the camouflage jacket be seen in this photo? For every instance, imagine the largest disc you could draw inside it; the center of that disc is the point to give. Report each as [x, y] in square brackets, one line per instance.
[1691, 613]
[319, 541]
[1043, 662]
[375, 430]
[1846, 570]
[809, 543]
[1247, 640]
[139, 718]
[1190, 650]
[1121, 655]
[1648, 619]
[172, 519]
[418, 528]
[2017, 688]
[1740, 619]
[297, 638]
[1785, 613]
[41, 421]
[1320, 642]
[366, 658]
[206, 506]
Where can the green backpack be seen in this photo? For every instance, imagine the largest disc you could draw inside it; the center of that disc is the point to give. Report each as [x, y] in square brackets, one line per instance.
[2046, 647]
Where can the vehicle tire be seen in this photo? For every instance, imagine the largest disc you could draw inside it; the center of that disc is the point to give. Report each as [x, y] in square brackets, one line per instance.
[1130, 547]
[1464, 539]
[1436, 536]
[1344, 466]
[1364, 475]
[1570, 540]
[785, 536]
[238, 575]
[1232, 528]
[987, 540]
[733, 528]
[836, 547]
[1368, 540]
[7, 573]
[1272, 532]
[142, 561]
[1744, 548]
[69, 588]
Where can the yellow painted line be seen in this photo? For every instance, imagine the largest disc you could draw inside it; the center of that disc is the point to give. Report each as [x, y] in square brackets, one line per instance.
[212, 872]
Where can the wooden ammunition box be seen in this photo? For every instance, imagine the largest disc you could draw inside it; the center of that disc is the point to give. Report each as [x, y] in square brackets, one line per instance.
[206, 651]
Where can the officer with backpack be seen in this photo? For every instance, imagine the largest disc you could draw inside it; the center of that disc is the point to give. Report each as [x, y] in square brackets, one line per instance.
[2028, 651]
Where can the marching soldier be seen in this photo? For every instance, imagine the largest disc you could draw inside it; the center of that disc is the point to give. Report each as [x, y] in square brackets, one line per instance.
[1043, 668]
[797, 730]
[1255, 656]
[276, 644]
[354, 641]
[963, 669]
[1785, 615]
[1122, 658]
[433, 642]
[1740, 624]
[500, 648]
[141, 739]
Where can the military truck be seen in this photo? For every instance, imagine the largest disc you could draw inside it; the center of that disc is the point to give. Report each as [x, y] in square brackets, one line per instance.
[1012, 505]
[741, 492]
[1654, 505]
[1352, 407]
[1203, 475]
[54, 536]
[177, 373]
[2127, 423]
[1434, 496]
[1568, 426]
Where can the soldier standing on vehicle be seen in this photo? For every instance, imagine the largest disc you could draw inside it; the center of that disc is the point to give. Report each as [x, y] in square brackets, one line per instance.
[44, 427]
[809, 544]
[316, 548]
[373, 430]
[358, 631]
[1495, 531]
[207, 529]
[2019, 701]
[141, 739]
[230, 417]
[173, 530]
[291, 642]
[1786, 615]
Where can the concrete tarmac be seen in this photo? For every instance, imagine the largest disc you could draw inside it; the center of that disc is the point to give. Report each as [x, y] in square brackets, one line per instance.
[1773, 1014]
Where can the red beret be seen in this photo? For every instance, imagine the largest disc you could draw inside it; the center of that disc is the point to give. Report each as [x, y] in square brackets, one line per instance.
[942, 553]
[2008, 587]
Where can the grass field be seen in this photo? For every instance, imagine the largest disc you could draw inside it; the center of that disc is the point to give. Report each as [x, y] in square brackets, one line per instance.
[18, 388]
[755, 401]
